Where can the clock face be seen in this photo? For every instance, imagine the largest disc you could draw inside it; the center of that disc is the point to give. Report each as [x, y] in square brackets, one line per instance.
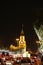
[22, 42]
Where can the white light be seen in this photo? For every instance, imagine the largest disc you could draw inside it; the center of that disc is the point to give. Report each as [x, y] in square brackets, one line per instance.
[13, 56]
[8, 63]
[29, 55]
[24, 55]
[17, 39]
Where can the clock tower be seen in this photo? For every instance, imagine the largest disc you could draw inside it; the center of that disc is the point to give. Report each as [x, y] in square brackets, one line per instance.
[22, 42]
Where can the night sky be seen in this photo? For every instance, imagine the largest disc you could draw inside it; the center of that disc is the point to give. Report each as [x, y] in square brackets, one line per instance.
[12, 16]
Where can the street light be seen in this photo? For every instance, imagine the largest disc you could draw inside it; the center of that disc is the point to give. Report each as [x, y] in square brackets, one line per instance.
[38, 42]
[17, 39]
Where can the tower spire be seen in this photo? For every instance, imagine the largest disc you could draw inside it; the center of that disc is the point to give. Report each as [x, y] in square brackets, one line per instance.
[22, 32]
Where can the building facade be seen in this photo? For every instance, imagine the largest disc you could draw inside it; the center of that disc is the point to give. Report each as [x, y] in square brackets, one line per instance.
[21, 48]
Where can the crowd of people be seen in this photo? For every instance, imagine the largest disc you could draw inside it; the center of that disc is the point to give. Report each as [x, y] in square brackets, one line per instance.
[5, 59]
[33, 60]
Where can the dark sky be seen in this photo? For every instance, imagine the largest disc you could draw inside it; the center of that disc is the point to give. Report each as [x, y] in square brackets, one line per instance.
[12, 16]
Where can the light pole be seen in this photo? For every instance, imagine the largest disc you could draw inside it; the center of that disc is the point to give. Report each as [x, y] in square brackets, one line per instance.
[17, 39]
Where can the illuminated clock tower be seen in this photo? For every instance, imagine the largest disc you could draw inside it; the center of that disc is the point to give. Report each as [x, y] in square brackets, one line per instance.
[22, 42]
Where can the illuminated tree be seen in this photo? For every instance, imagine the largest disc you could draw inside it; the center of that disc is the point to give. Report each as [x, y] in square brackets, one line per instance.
[39, 31]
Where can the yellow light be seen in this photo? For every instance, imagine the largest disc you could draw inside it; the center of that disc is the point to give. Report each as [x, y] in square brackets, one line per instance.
[11, 46]
[26, 52]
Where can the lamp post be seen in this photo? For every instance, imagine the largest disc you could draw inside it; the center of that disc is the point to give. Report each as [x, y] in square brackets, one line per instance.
[38, 43]
[17, 39]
